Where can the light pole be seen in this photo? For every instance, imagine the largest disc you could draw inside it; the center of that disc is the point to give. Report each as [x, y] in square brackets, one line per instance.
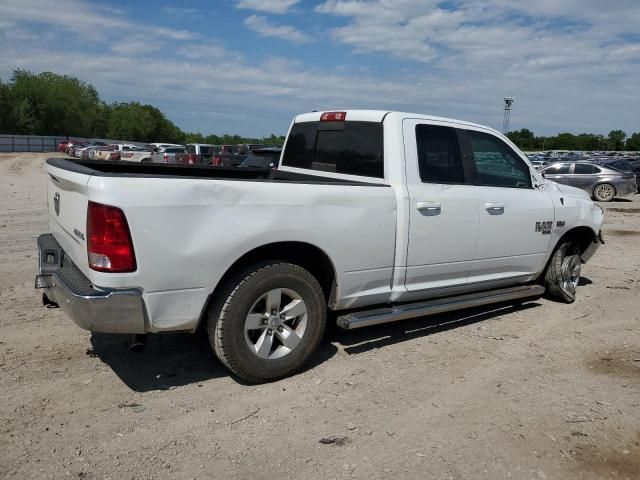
[508, 101]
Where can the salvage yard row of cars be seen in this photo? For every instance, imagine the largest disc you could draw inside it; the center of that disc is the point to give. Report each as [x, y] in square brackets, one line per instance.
[243, 155]
[604, 176]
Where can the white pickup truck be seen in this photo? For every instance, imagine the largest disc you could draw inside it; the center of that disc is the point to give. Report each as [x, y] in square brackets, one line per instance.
[378, 216]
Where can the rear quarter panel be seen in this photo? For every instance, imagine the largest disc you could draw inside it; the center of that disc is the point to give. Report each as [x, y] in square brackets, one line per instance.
[188, 232]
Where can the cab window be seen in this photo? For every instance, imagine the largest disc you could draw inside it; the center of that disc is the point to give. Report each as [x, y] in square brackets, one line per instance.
[439, 159]
[497, 165]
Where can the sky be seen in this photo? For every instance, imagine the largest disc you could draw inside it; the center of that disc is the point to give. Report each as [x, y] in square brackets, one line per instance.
[248, 66]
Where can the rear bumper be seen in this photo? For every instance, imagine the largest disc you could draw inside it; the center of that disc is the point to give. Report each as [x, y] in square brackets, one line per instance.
[627, 187]
[592, 248]
[90, 307]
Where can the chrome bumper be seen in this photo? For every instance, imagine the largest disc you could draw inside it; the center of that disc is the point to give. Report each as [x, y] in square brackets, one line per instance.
[592, 248]
[90, 307]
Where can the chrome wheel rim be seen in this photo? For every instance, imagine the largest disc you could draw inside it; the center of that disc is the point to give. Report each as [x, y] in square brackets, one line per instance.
[570, 273]
[275, 324]
[604, 192]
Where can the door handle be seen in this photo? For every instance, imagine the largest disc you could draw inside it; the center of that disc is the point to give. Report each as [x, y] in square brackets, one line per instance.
[429, 208]
[494, 208]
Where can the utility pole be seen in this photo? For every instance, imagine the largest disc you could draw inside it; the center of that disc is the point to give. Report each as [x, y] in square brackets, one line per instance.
[508, 101]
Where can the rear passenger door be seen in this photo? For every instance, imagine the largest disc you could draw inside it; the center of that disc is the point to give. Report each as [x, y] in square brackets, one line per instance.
[510, 244]
[443, 208]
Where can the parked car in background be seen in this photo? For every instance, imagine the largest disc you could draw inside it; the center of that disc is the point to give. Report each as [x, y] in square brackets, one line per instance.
[198, 154]
[602, 182]
[229, 149]
[246, 148]
[133, 153]
[167, 154]
[227, 160]
[262, 158]
[63, 145]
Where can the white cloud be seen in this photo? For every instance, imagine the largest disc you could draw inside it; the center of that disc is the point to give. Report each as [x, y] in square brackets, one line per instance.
[268, 6]
[82, 18]
[262, 26]
[456, 63]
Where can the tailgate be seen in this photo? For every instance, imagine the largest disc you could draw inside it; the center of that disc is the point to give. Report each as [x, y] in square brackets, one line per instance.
[67, 204]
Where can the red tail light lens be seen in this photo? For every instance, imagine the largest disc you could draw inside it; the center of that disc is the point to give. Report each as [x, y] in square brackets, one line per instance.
[165, 157]
[333, 117]
[109, 244]
[215, 161]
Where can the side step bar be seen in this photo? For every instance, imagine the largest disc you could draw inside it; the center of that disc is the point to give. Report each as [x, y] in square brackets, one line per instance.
[395, 313]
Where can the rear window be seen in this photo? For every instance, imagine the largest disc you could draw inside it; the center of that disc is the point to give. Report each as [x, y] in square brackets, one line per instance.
[352, 148]
[174, 150]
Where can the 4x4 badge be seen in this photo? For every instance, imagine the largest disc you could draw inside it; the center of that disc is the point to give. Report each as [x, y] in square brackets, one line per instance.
[56, 203]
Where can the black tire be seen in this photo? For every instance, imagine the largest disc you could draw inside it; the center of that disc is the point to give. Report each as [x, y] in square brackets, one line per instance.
[560, 278]
[145, 160]
[226, 321]
[604, 192]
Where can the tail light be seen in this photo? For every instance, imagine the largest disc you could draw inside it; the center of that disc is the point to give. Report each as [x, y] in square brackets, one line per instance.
[215, 161]
[165, 157]
[114, 156]
[109, 244]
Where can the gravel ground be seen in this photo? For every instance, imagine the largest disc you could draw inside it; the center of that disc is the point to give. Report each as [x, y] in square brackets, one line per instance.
[540, 391]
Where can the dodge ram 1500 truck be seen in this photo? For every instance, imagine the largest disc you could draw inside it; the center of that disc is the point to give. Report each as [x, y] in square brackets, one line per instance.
[378, 216]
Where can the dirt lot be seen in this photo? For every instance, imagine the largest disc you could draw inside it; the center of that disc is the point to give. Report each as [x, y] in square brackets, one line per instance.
[541, 391]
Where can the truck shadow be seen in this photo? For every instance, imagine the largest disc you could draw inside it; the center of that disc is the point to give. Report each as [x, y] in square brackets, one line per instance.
[174, 360]
[359, 341]
[170, 360]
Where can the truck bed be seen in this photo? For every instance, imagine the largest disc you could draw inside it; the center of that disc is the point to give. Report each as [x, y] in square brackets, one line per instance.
[103, 168]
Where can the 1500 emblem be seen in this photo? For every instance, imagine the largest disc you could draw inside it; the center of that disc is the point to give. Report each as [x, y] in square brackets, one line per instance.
[544, 227]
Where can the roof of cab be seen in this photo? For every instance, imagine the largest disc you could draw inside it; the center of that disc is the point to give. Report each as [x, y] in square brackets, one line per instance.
[379, 115]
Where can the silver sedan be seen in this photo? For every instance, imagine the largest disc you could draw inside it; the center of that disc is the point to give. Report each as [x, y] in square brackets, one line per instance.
[601, 182]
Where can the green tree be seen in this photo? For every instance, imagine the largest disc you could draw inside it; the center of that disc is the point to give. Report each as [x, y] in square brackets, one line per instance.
[141, 123]
[633, 142]
[7, 118]
[51, 104]
[616, 139]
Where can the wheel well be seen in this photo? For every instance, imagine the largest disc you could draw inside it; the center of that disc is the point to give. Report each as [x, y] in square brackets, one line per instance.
[583, 236]
[307, 256]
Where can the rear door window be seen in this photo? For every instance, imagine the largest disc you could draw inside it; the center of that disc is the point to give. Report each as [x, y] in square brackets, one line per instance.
[582, 169]
[439, 158]
[352, 148]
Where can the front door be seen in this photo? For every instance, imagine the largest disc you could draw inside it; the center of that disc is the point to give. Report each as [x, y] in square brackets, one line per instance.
[515, 219]
[443, 208]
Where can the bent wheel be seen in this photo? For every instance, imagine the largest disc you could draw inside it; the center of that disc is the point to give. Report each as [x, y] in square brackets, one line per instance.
[563, 273]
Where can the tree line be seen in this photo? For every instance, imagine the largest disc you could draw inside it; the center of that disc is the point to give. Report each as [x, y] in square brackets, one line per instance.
[51, 104]
[616, 140]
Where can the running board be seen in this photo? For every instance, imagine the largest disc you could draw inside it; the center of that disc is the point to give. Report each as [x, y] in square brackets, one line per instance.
[377, 316]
